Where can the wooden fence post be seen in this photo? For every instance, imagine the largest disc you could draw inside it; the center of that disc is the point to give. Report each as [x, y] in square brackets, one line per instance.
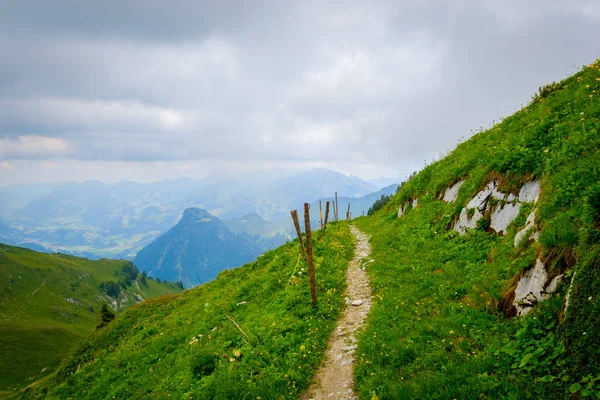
[297, 226]
[309, 256]
[348, 213]
[326, 215]
[336, 207]
[320, 214]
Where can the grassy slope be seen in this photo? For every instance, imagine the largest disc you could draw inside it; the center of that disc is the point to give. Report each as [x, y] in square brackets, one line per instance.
[38, 325]
[189, 346]
[436, 330]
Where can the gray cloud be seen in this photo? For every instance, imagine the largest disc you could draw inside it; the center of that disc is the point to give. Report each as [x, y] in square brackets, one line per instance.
[348, 85]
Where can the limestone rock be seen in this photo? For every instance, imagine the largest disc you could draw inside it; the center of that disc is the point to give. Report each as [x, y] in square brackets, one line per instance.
[464, 222]
[503, 216]
[530, 191]
[530, 288]
[402, 210]
[415, 202]
[529, 224]
[451, 194]
[553, 285]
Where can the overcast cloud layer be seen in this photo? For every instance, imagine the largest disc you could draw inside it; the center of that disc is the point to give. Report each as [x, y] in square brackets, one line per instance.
[150, 89]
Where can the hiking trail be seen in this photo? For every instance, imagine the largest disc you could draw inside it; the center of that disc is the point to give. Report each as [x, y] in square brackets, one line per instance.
[334, 380]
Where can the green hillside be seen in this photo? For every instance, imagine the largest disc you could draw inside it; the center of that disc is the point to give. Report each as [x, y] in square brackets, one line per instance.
[48, 302]
[443, 323]
[250, 333]
[438, 328]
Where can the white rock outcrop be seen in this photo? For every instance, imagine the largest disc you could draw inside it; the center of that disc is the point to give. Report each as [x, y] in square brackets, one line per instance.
[479, 203]
[553, 285]
[530, 192]
[451, 194]
[530, 288]
[534, 287]
[401, 210]
[529, 225]
[415, 202]
[503, 216]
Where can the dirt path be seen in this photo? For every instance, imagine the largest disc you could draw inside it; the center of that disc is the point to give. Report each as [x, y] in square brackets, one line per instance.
[334, 379]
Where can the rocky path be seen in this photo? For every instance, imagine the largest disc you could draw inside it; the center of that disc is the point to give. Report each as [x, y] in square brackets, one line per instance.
[334, 379]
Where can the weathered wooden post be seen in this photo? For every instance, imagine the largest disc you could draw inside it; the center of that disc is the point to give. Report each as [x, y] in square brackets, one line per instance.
[336, 207]
[348, 213]
[320, 215]
[326, 215]
[309, 256]
[297, 226]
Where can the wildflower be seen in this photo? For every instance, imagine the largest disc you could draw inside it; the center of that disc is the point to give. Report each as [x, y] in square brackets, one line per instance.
[452, 332]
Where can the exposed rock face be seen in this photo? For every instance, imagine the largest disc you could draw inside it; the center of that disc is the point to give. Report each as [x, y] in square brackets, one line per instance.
[401, 210]
[480, 203]
[503, 216]
[529, 224]
[534, 287]
[530, 192]
[451, 193]
[553, 285]
[530, 288]
[403, 207]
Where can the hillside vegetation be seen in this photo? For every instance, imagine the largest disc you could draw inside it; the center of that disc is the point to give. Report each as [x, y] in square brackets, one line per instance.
[438, 327]
[48, 302]
[251, 333]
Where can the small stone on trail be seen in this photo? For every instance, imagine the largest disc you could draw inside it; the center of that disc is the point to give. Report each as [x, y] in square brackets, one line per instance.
[357, 302]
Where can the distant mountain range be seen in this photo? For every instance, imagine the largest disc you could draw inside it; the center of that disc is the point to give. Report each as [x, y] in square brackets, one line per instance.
[196, 249]
[95, 220]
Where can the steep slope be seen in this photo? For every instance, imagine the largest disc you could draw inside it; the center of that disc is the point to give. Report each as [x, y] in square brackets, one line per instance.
[452, 267]
[48, 302]
[195, 250]
[250, 333]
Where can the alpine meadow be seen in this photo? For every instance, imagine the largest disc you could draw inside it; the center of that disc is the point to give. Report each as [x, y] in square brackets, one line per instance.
[516, 206]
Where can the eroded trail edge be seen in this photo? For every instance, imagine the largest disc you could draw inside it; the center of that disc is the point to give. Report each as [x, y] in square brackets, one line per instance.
[335, 377]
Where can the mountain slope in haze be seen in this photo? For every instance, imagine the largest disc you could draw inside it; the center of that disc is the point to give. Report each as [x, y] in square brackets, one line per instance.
[251, 333]
[195, 250]
[444, 325]
[48, 302]
[293, 192]
[95, 219]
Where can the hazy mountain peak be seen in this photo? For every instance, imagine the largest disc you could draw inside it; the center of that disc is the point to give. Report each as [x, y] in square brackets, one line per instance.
[195, 213]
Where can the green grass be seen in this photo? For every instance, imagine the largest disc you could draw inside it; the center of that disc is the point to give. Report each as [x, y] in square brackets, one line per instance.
[38, 325]
[250, 333]
[436, 330]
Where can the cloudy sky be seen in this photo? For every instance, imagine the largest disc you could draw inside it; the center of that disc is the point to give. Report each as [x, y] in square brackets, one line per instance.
[149, 89]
